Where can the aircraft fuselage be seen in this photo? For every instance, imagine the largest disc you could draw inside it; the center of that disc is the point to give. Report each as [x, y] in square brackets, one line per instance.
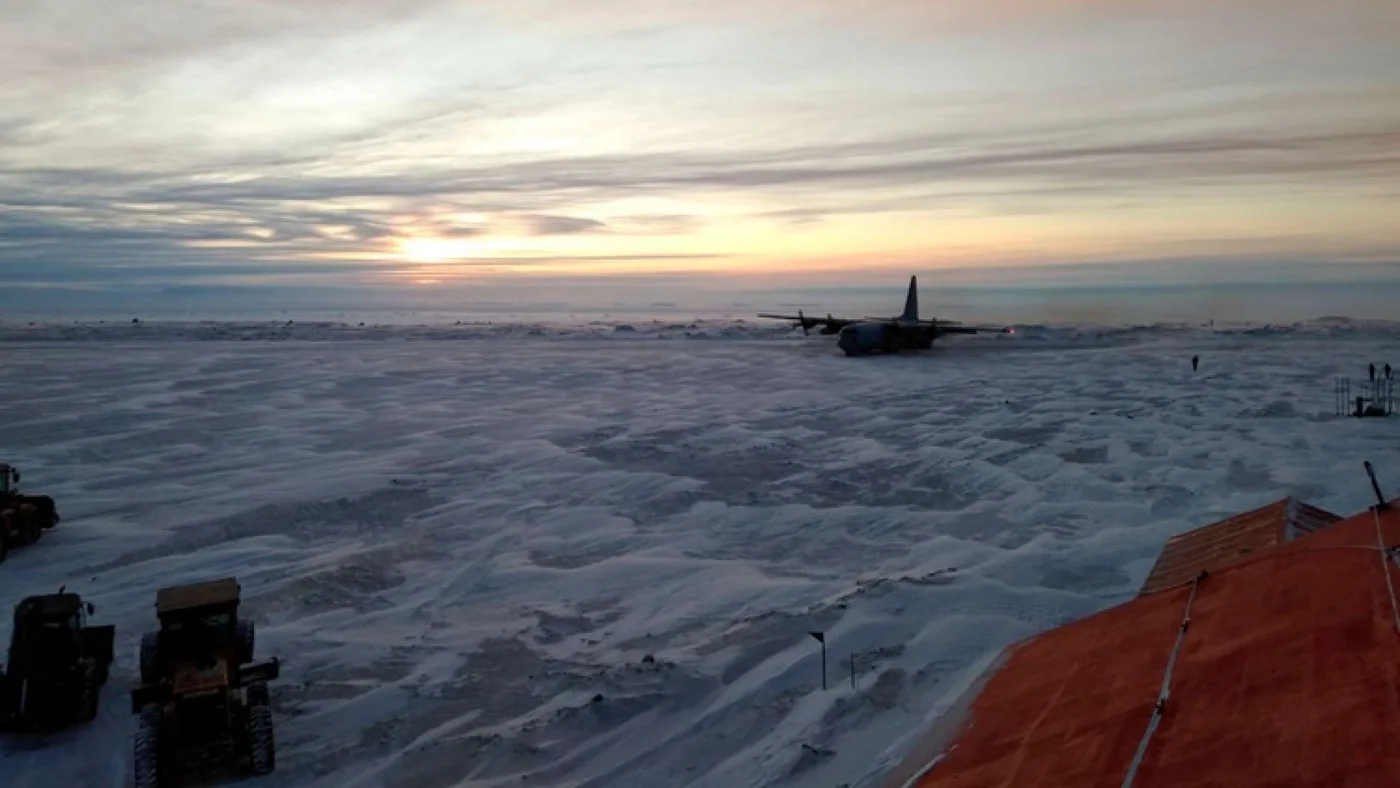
[859, 339]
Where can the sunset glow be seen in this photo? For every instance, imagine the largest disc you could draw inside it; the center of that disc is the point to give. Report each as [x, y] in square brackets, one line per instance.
[548, 139]
[435, 250]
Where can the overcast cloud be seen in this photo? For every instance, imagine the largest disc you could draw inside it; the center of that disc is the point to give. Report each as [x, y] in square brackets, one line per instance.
[245, 141]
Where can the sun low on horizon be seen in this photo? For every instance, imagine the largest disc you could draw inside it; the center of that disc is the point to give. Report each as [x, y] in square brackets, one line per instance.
[434, 142]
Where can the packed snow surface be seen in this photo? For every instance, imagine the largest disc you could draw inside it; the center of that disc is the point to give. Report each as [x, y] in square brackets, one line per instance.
[590, 557]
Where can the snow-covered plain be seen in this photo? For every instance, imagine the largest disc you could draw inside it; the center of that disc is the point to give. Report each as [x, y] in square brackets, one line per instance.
[589, 557]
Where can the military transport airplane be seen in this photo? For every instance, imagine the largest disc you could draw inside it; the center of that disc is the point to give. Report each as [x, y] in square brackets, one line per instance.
[886, 334]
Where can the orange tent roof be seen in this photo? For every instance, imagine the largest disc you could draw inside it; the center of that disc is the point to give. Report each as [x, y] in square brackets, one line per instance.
[1288, 674]
[1231, 539]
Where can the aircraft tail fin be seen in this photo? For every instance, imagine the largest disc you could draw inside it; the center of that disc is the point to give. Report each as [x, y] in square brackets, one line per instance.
[911, 302]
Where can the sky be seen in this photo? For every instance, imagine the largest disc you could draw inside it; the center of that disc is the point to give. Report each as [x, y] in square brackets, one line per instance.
[166, 144]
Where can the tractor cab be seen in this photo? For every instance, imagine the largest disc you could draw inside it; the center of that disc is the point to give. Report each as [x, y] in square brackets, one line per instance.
[199, 629]
[9, 480]
[48, 629]
[211, 603]
[200, 619]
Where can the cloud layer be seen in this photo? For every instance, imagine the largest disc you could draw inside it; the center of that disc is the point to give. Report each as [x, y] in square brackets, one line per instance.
[168, 142]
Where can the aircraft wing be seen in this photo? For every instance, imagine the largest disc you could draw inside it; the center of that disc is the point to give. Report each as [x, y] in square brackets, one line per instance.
[829, 322]
[954, 327]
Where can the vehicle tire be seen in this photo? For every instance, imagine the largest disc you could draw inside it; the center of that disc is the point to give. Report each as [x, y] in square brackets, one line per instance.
[9, 700]
[258, 694]
[246, 636]
[90, 694]
[147, 751]
[150, 658]
[261, 745]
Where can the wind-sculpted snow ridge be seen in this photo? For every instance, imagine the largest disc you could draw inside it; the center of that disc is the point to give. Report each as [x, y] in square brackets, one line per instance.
[527, 561]
[706, 329]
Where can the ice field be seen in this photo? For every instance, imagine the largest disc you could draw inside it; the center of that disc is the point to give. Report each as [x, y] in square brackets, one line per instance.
[493, 555]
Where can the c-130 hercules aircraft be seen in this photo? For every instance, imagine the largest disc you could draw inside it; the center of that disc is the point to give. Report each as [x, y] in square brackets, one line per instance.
[887, 334]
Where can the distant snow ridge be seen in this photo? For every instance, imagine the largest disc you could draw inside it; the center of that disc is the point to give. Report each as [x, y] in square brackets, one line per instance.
[708, 329]
[265, 331]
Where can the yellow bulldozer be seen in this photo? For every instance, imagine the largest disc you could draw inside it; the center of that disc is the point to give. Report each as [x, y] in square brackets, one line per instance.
[57, 664]
[203, 702]
[23, 518]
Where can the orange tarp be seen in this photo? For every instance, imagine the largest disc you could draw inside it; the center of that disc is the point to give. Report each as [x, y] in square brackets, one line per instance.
[1288, 675]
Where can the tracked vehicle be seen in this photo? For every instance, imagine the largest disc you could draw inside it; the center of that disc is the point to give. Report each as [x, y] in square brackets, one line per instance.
[23, 518]
[203, 702]
[57, 664]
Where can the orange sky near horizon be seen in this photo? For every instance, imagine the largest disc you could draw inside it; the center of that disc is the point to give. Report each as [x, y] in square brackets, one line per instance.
[443, 141]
